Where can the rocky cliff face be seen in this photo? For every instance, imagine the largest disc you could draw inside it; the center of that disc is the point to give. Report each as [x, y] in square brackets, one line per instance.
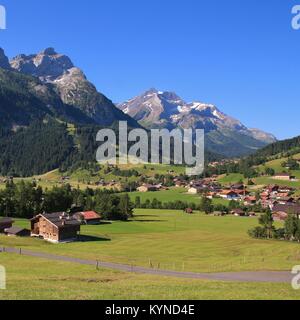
[71, 84]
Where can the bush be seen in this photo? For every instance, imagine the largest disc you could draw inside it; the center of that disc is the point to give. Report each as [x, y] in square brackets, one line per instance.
[258, 233]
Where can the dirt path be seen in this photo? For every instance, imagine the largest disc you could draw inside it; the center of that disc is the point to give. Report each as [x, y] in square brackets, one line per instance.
[255, 276]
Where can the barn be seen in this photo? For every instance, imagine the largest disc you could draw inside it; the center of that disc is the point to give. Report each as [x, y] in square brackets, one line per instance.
[55, 227]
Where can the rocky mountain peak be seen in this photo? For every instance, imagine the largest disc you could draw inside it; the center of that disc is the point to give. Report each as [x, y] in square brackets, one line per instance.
[49, 51]
[224, 134]
[46, 65]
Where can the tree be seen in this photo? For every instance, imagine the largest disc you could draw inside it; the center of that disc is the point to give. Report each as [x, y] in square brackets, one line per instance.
[291, 226]
[138, 202]
[206, 205]
[258, 233]
[267, 221]
[126, 206]
[270, 172]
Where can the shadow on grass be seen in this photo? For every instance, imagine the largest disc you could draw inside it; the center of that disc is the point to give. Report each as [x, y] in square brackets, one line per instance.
[147, 215]
[84, 238]
[145, 220]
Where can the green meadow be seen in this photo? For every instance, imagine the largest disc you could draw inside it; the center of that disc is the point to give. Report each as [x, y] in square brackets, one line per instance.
[39, 279]
[172, 240]
[171, 195]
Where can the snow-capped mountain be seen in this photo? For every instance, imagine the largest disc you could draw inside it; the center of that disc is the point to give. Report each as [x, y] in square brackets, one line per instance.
[224, 134]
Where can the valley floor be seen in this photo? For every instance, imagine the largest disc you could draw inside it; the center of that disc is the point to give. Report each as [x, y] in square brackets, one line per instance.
[164, 240]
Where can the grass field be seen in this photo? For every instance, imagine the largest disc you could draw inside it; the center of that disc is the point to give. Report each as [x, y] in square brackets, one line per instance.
[33, 278]
[171, 195]
[175, 241]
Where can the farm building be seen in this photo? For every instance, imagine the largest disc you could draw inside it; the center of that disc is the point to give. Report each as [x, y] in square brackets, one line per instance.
[283, 176]
[17, 232]
[88, 217]
[5, 223]
[147, 188]
[238, 212]
[55, 227]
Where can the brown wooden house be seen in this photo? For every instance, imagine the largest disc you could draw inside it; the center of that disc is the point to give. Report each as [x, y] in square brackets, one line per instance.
[55, 227]
[5, 223]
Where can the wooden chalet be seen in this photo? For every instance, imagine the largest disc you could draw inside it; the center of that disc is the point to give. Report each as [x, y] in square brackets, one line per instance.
[55, 227]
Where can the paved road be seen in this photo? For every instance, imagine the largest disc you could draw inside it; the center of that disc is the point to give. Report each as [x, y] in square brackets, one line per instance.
[259, 276]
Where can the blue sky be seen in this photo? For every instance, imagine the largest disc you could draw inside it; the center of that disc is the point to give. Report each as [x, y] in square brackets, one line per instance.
[241, 55]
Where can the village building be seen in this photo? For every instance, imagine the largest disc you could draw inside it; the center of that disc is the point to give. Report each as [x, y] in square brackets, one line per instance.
[238, 212]
[147, 188]
[283, 176]
[229, 195]
[196, 190]
[249, 200]
[55, 227]
[285, 200]
[281, 211]
[5, 223]
[219, 213]
[17, 232]
[88, 217]
[238, 186]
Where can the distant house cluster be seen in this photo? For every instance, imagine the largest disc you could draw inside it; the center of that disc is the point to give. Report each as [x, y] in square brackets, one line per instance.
[284, 176]
[150, 187]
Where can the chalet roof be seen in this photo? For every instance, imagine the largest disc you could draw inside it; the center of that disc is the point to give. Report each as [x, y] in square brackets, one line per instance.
[250, 198]
[228, 192]
[238, 211]
[237, 186]
[89, 215]
[15, 230]
[287, 208]
[60, 219]
[6, 220]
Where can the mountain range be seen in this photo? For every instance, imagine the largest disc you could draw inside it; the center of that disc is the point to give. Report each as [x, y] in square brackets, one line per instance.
[50, 113]
[224, 134]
